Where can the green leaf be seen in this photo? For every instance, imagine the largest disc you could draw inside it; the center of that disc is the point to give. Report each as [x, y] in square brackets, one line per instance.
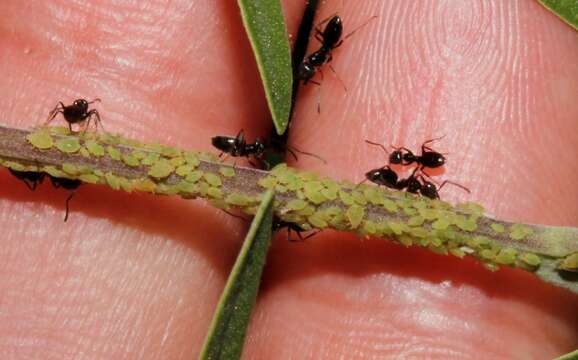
[566, 10]
[265, 25]
[227, 331]
[570, 356]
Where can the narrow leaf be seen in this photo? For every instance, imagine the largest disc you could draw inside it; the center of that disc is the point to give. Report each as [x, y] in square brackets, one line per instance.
[566, 10]
[227, 331]
[570, 356]
[265, 26]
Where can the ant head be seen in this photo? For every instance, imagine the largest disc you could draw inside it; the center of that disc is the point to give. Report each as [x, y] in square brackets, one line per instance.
[259, 147]
[429, 190]
[305, 71]
[80, 104]
[396, 157]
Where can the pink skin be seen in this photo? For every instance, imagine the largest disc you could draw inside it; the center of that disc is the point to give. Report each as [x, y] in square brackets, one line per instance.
[137, 276]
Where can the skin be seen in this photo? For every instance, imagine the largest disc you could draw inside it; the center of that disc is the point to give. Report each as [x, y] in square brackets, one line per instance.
[137, 276]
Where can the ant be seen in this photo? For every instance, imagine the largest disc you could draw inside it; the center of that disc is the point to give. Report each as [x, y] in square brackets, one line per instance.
[403, 156]
[31, 178]
[413, 184]
[76, 113]
[279, 224]
[67, 184]
[330, 39]
[238, 147]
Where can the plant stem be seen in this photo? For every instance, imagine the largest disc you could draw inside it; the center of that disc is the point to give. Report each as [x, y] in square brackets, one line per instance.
[304, 198]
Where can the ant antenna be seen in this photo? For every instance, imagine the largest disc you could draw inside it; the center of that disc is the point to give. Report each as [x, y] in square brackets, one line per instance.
[359, 27]
[67, 207]
[377, 144]
[455, 184]
[95, 100]
[292, 150]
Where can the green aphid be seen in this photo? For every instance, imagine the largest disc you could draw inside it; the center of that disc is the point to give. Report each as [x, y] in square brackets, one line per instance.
[346, 198]
[418, 232]
[227, 172]
[373, 195]
[506, 257]
[519, 232]
[285, 177]
[530, 259]
[192, 158]
[237, 199]
[317, 221]
[40, 139]
[94, 148]
[130, 160]
[170, 152]
[314, 196]
[309, 176]
[177, 161]
[440, 224]
[429, 214]
[215, 193]
[188, 188]
[183, 170]
[113, 153]
[405, 240]
[84, 153]
[294, 185]
[279, 169]
[213, 180]
[296, 204]
[498, 228]
[68, 145]
[165, 189]
[139, 155]
[53, 171]
[125, 184]
[330, 184]
[161, 169]
[89, 178]
[17, 166]
[112, 181]
[389, 205]
[358, 198]
[471, 208]
[457, 252]
[420, 203]
[369, 227]
[570, 263]
[98, 173]
[268, 182]
[70, 169]
[280, 189]
[194, 176]
[409, 211]
[330, 194]
[355, 214]
[332, 211]
[488, 254]
[436, 242]
[468, 225]
[58, 130]
[204, 188]
[415, 221]
[306, 211]
[150, 159]
[397, 228]
[145, 185]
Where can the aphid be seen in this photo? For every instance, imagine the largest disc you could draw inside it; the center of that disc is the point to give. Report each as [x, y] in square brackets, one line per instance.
[76, 113]
[279, 224]
[67, 184]
[31, 178]
[403, 156]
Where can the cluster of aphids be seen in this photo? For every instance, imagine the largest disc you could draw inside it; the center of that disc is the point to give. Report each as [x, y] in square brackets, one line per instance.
[77, 113]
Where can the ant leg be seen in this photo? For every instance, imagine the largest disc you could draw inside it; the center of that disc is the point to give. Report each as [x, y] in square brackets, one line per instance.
[338, 78]
[97, 120]
[455, 184]
[57, 109]
[423, 146]
[67, 205]
[293, 149]
[380, 145]
[357, 28]
[311, 235]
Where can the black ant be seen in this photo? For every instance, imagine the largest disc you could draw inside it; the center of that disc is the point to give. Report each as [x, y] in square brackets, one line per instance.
[76, 113]
[413, 184]
[403, 156]
[238, 147]
[279, 224]
[31, 178]
[67, 184]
